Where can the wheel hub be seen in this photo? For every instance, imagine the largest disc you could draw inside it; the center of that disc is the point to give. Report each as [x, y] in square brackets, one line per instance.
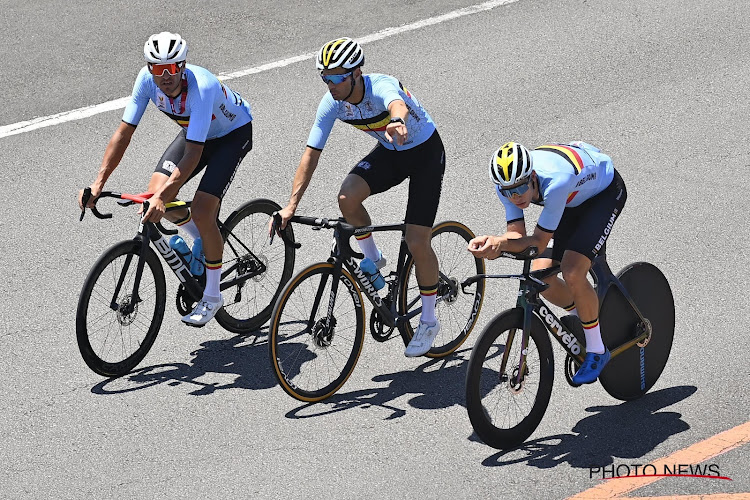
[127, 311]
[647, 325]
[449, 290]
[322, 333]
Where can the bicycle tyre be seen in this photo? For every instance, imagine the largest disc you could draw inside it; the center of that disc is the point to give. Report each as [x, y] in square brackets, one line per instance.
[94, 306]
[483, 383]
[246, 230]
[633, 372]
[296, 361]
[449, 241]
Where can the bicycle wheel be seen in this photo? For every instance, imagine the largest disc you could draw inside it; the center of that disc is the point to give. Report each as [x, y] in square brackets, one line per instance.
[633, 372]
[266, 268]
[457, 312]
[504, 415]
[115, 333]
[312, 359]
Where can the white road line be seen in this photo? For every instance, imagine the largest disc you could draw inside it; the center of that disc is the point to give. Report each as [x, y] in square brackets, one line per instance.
[85, 112]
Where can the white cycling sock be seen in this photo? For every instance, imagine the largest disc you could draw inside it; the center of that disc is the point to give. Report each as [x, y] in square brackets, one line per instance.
[593, 337]
[369, 248]
[429, 297]
[213, 278]
[190, 228]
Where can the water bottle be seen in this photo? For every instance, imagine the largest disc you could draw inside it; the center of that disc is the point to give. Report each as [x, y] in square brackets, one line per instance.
[370, 269]
[178, 245]
[198, 265]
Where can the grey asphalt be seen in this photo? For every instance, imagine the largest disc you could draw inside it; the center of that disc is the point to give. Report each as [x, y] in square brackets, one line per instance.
[662, 86]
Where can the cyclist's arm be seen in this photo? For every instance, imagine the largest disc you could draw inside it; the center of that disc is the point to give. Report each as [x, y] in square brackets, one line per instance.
[515, 240]
[307, 166]
[398, 131]
[116, 147]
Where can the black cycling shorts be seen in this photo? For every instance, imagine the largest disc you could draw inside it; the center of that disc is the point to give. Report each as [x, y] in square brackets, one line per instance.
[585, 228]
[424, 165]
[220, 158]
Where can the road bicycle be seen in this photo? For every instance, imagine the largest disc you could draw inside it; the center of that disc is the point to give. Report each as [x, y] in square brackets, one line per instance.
[510, 372]
[122, 302]
[318, 326]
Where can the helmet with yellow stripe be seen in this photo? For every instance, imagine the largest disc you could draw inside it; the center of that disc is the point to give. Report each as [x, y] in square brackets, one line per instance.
[340, 53]
[510, 165]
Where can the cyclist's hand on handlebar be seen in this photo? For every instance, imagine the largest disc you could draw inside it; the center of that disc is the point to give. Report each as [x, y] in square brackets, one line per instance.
[95, 192]
[286, 213]
[485, 247]
[156, 209]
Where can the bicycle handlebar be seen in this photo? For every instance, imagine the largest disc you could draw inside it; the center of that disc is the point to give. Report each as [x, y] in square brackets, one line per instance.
[125, 200]
[316, 223]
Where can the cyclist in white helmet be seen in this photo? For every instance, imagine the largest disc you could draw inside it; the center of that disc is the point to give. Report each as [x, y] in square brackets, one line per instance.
[216, 134]
[408, 146]
[582, 196]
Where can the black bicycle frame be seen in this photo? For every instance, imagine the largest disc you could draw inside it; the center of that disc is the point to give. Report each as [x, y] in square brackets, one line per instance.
[530, 288]
[343, 255]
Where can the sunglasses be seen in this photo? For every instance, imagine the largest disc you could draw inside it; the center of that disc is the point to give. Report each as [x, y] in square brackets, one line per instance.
[335, 79]
[518, 190]
[159, 69]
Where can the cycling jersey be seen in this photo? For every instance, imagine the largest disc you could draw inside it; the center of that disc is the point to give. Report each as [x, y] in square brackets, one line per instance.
[371, 114]
[568, 175]
[206, 108]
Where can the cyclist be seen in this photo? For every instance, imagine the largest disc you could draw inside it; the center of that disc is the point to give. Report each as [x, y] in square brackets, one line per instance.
[582, 196]
[408, 146]
[216, 134]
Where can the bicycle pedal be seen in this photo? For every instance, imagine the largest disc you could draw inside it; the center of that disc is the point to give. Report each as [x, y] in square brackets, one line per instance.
[193, 324]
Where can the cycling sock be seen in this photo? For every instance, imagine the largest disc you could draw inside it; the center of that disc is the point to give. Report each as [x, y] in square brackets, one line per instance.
[429, 297]
[571, 309]
[188, 225]
[593, 337]
[368, 246]
[213, 278]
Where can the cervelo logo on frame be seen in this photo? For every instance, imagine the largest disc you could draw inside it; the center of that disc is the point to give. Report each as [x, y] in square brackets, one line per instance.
[556, 328]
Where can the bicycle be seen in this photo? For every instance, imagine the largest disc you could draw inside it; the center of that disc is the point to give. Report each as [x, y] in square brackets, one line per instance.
[509, 376]
[314, 346]
[123, 299]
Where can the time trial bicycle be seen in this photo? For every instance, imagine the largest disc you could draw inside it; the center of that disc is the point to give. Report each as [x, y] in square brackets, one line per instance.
[317, 330]
[122, 302]
[510, 372]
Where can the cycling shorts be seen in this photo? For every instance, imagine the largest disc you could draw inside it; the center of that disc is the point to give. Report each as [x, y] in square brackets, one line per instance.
[424, 165]
[220, 158]
[585, 228]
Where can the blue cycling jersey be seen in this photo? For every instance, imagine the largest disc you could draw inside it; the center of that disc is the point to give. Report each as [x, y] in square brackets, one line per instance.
[206, 108]
[568, 175]
[371, 114]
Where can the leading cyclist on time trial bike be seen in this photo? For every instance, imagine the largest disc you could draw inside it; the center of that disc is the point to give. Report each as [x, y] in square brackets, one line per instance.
[582, 195]
[216, 135]
[409, 146]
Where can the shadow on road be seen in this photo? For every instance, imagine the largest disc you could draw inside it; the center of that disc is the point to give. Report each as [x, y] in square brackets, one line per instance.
[243, 358]
[435, 384]
[627, 430]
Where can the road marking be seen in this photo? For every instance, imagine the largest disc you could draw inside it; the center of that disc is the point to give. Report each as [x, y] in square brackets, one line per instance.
[694, 454]
[95, 109]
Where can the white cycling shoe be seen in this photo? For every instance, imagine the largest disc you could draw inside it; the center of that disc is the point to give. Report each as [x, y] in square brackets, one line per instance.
[422, 340]
[203, 312]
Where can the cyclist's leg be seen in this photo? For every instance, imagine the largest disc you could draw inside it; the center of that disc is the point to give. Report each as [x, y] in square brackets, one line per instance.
[427, 165]
[374, 174]
[222, 157]
[164, 168]
[597, 218]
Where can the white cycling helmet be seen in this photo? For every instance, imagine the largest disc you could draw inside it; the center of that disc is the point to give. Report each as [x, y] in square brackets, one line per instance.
[165, 48]
[510, 165]
[340, 53]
